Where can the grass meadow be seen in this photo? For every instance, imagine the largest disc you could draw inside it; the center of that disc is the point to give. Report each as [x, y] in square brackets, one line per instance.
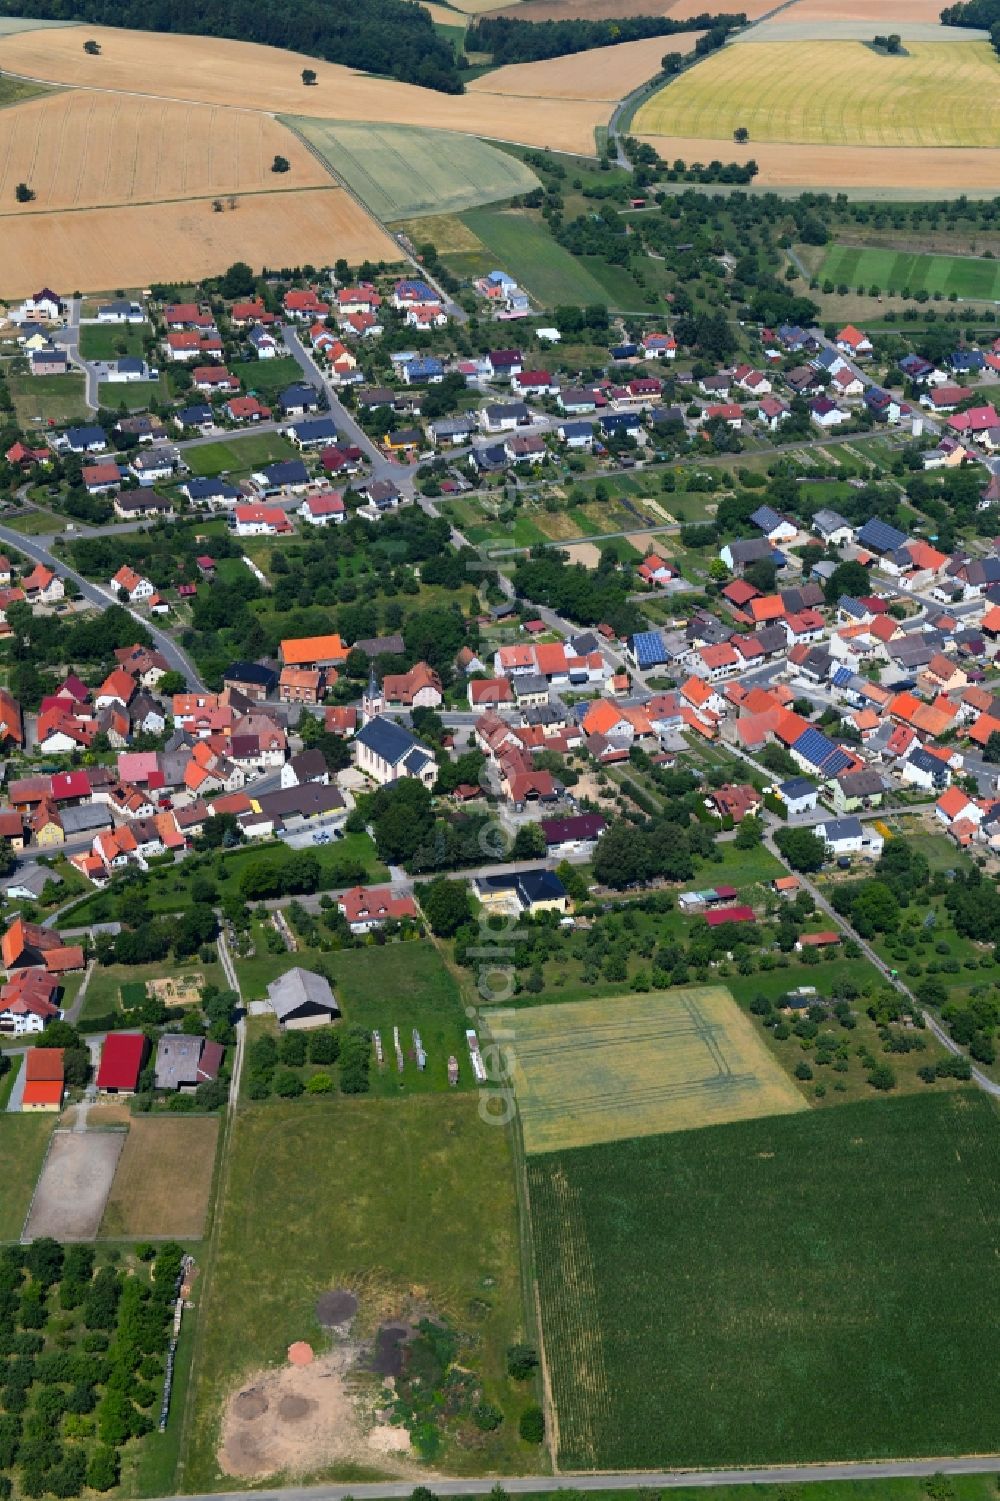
[108, 341]
[43, 399]
[23, 1143]
[240, 453]
[400, 172]
[397, 1200]
[163, 1182]
[833, 93]
[526, 250]
[896, 271]
[801, 1288]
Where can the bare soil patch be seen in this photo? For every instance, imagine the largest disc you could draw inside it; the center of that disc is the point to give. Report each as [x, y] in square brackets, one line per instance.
[338, 1306]
[74, 1185]
[587, 553]
[299, 1419]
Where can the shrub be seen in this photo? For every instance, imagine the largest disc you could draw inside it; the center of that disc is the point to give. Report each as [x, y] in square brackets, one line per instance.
[531, 1426]
[487, 1416]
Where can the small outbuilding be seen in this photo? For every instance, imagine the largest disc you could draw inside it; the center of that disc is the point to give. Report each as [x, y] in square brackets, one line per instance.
[301, 998]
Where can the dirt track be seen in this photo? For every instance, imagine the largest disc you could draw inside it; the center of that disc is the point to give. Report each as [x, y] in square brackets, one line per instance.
[74, 1185]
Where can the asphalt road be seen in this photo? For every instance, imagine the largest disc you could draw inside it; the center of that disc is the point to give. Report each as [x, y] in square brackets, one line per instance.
[988, 1464]
[35, 548]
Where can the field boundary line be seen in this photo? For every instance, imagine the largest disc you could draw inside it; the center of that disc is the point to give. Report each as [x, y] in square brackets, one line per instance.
[94, 208]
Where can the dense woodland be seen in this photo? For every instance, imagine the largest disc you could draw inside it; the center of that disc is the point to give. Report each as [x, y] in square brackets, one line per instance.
[390, 37]
[516, 41]
[978, 13]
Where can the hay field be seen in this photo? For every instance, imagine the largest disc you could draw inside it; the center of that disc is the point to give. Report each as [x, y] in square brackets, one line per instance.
[164, 1180]
[604, 73]
[100, 249]
[83, 149]
[638, 1065]
[785, 28]
[793, 1290]
[248, 76]
[916, 172]
[399, 172]
[836, 93]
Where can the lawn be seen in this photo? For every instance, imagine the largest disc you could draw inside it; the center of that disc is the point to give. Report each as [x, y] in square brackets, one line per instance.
[108, 341]
[163, 1181]
[802, 1288]
[23, 1143]
[104, 993]
[401, 172]
[896, 271]
[523, 247]
[48, 400]
[396, 1199]
[136, 395]
[239, 453]
[266, 378]
[833, 92]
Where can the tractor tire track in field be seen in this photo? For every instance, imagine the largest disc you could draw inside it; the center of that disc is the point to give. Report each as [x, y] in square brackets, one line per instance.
[86, 134]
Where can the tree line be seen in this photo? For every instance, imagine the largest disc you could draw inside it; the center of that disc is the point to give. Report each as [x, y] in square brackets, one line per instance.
[516, 41]
[390, 37]
[982, 14]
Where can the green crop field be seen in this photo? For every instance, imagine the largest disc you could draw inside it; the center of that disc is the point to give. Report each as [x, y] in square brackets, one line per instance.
[600, 1070]
[238, 453]
[803, 1288]
[410, 1203]
[897, 271]
[834, 93]
[400, 172]
[523, 247]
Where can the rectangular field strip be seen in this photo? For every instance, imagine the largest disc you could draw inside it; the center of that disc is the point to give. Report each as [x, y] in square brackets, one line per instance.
[898, 271]
[799, 1289]
[603, 1070]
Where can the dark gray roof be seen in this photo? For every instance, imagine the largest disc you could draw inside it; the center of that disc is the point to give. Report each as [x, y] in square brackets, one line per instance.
[842, 828]
[863, 783]
[305, 801]
[301, 990]
[751, 550]
[381, 646]
[387, 739]
[251, 672]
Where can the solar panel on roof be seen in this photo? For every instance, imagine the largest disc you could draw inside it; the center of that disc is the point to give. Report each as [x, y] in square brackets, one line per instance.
[842, 677]
[880, 536]
[649, 648]
[836, 762]
[766, 519]
[813, 746]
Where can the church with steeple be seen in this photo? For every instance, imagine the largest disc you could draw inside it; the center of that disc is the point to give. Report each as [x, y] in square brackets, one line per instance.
[373, 701]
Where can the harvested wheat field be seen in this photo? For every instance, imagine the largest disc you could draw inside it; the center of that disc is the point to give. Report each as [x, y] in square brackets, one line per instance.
[164, 1178]
[835, 93]
[881, 15]
[605, 73]
[582, 10]
[914, 171]
[99, 249]
[80, 149]
[683, 10]
[247, 76]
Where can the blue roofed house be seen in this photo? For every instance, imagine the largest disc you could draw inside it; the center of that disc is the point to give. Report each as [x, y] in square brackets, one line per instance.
[648, 649]
[878, 536]
[623, 425]
[817, 754]
[216, 493]
[423, 371]
[883, 406]
[287, 474]
[297, 399]
[85, 439]
[775, 528]
[312, 432]
[387, 751]
[915, 367]
[967, 361]
[578, 435]
[201, 416]
[799, 795]
[924, 770]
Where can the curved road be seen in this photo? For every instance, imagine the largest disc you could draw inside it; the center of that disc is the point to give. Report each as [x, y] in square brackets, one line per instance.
[33, 548]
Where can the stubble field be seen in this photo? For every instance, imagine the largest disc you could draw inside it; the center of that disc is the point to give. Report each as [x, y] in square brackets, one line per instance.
[803, 1288]
[84, 149]
[604, 73]
[835, 93]
[248, 76]
[603, 1070]
[164, 1178]
[100, 249]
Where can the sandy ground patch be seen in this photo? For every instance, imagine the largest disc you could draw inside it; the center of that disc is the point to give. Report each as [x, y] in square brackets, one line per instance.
[74, 1185]
[606, 73]
[298, 1419]
[248, 76]
[647, 542]
[910, 169]
[587, 553]
[83, 149]
[100, 249]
